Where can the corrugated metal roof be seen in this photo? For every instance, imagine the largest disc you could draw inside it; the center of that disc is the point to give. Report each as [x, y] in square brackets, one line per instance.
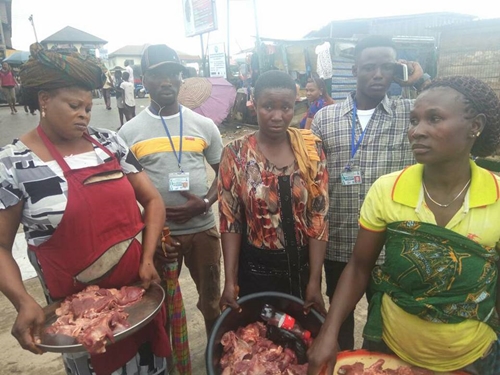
[343, 82]
[472, 24]
[379, 24]
[418, 15]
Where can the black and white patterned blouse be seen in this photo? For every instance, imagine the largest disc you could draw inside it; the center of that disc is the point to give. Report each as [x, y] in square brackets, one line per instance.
[42, 186]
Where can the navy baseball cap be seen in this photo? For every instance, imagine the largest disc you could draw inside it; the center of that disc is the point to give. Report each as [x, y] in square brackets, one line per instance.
[160, 54]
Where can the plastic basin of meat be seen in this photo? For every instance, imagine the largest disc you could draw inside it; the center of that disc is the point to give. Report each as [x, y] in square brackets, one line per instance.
[251, 306]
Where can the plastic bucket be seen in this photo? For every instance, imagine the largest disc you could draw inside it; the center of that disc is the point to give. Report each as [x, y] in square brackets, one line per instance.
[251, 307]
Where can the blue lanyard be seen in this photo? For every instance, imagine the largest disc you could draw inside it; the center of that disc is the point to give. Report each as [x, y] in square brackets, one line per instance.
[355, 147]
[177, 156]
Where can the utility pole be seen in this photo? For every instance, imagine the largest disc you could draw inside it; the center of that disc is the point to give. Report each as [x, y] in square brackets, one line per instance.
[203, 57]
[257, 36]
[228, 67]
[33, 24]
[3, 47]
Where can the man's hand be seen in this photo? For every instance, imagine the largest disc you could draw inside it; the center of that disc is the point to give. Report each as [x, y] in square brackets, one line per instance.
[172, 252]
[193, 207]
[314, 299]
[148, 274]
[415, 72]
[27, 328]
[322, 356]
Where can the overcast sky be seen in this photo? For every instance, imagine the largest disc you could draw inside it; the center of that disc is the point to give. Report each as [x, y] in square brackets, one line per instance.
[161, 21]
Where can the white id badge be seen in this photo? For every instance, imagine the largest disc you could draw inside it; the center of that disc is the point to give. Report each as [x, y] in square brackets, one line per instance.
[350, 178]
[178, 181]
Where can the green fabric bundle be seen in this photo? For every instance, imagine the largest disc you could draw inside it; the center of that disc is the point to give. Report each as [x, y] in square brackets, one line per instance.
[50, 70]
[435, 274]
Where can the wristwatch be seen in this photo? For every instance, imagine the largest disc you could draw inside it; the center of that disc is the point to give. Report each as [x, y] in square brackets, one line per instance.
[207, 205]
[421, 81]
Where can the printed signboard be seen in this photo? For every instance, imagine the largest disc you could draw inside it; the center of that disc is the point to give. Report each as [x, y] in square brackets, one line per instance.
[217, 60]
[200, 16]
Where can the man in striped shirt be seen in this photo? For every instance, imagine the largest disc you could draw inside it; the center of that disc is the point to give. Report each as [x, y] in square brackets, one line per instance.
[364, 137]
[173, 144]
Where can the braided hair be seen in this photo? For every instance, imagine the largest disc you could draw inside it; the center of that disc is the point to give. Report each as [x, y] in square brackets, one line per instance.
[479, 98]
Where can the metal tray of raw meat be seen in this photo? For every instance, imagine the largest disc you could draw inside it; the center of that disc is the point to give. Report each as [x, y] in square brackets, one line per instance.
[140, 314]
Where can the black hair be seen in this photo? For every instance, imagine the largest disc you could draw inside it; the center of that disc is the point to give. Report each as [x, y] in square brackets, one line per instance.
[479, 98]
[125, 74]
[319, 82]
[273, 79]
[373, 41]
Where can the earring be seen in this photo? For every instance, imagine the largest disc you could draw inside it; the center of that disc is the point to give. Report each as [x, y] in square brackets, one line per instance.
[478, 134]
[43, 112]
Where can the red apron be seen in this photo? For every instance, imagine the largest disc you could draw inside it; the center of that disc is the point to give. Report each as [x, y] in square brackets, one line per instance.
[98, 216]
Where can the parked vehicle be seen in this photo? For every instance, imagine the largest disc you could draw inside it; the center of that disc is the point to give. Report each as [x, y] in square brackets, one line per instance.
[139, 90]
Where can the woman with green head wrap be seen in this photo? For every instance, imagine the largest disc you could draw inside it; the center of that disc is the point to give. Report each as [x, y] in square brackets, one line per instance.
[75, 190]
[50, 70]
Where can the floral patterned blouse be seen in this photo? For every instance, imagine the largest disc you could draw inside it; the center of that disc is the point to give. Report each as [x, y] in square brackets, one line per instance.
[248, 188]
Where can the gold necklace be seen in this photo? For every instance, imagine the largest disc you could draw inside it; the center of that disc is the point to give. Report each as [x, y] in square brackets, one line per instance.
[444, 205]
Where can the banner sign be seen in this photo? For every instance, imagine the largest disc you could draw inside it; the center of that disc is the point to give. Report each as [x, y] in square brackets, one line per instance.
[217, 60]
[200, 16]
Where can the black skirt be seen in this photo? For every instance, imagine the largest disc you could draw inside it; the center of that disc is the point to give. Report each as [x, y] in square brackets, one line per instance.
[285, 271]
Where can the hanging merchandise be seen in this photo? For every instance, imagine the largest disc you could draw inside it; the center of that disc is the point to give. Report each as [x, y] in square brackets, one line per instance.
[255, 66]
[324, 65]
[308, 63]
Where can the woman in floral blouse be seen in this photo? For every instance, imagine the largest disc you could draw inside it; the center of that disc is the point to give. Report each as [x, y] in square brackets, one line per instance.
[273, 202]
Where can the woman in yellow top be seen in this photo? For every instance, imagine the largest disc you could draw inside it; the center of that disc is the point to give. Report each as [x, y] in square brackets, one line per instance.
[435, 301]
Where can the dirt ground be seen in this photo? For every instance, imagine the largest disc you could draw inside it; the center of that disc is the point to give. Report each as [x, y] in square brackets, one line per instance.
[15, 360]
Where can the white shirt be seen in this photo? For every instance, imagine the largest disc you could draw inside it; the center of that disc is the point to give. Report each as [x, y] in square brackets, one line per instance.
[131, 73]
[364, 116]
[78, 161]
[128, 93]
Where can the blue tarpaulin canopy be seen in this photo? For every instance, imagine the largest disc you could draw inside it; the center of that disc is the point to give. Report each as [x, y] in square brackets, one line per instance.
[17, 58]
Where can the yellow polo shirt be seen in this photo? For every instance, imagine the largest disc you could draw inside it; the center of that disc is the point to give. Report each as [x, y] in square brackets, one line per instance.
[399, 196]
